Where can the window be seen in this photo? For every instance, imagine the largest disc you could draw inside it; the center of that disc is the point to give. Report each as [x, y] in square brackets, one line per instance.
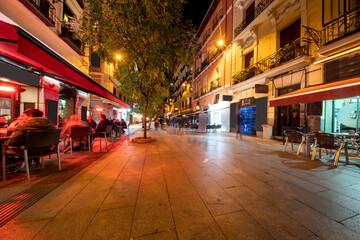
[217, 72]
[207, 83]
[290, 33]
[95, 60]
[250, 13]
[249, 59]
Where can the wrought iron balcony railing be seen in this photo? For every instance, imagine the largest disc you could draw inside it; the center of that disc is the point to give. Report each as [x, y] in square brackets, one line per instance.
[71, 39]
[258, 10]
[42, 8]
[197, 95]
[204, 90]
[215, 84]
[299, 48]
[343, 26]
[205, 63]
[217, 18]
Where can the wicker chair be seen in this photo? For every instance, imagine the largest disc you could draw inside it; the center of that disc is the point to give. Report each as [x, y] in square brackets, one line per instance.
[292, 136]
[327, 141]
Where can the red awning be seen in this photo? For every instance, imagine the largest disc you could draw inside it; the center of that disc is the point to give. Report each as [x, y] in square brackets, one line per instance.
[327, 91]
[18, 45]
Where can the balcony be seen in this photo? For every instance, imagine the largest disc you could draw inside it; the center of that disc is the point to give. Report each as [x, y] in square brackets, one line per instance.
[71, 39]
[258, 10]
[215, 84]
[217, 19]
[341, 27]
[204, 90]
[204, 64]
[299, 48]
[43, 9]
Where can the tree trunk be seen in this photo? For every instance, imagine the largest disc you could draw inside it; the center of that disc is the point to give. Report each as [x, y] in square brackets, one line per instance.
[145, 110]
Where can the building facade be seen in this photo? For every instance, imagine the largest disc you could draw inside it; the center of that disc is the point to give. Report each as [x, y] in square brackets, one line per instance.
[273, 54]
[45, 63]
[180, 99]
[212, 70]
[330, 98]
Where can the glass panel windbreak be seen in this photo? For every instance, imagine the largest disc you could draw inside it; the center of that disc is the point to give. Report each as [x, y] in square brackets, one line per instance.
[341, 115]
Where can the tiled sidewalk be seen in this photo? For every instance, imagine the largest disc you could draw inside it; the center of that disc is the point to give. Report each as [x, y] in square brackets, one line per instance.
[198, 186]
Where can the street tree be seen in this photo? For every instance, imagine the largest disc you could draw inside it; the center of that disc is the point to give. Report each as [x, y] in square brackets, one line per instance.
[149, 35]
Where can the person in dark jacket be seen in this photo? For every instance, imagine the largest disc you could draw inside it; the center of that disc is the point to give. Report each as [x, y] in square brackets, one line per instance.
[34, 121]
[91, 122]
[101, 127]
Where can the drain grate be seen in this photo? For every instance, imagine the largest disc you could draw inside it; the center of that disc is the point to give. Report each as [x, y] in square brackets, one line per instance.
[12, 207]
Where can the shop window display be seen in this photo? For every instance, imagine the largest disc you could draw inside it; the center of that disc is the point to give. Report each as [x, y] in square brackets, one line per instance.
[247, 120]
[341, 115]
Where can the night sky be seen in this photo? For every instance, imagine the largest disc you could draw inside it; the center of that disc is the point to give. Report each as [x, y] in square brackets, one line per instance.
[196, 10]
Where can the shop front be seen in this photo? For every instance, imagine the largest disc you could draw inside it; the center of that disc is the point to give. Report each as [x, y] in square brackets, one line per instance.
[41, 78]
[332, 107]
[247, 116]
[219, 116]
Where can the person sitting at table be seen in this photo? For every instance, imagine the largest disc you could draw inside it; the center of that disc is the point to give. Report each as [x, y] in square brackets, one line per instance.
[18, 121]
[34, 120]
[101, 127]
[73, 121]
[123, 123]
[91, 122]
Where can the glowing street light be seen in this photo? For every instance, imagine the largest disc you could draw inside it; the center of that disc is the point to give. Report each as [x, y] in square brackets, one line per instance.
[118, 57]
[221, 43]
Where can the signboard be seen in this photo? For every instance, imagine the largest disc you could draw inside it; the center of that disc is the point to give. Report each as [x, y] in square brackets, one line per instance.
[260, 88]
[227, 98]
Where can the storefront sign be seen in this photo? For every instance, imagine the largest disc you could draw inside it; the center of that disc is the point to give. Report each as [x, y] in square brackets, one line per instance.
[110, 106]
[247, 102]
[227, 98]
[260, 88]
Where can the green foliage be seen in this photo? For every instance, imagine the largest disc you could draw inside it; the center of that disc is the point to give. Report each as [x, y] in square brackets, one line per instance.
[150, 37]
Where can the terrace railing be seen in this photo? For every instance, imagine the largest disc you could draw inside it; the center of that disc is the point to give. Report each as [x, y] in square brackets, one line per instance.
[299, 48]
[258, 10]
[343, 26]
[45, 7]
[215, 84]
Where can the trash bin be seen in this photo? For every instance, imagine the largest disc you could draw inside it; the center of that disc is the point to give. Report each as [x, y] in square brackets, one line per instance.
[267, 131]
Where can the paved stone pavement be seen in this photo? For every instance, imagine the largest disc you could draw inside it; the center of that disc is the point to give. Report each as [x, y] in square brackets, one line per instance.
[196, 186]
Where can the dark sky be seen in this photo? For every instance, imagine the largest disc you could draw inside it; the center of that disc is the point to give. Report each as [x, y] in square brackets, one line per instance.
[196, 10]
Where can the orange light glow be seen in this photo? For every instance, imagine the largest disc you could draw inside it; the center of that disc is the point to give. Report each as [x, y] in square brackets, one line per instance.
[7, 89]
[99, 109]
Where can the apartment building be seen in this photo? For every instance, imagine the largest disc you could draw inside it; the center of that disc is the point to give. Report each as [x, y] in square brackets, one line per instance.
[274, 47]
[212, 70]
[45, 65]
[331, 98]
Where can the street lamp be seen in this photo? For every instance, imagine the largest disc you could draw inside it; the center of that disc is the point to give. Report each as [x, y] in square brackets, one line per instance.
[118, 57]
[221, 43]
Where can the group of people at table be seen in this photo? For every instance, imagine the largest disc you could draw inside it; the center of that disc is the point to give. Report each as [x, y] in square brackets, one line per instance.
[33, 119]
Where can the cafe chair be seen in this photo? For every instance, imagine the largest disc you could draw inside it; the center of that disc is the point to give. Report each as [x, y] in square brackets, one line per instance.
[108, 132]
[292, 136]
[38, 143]
[79, 134]
[327, 141]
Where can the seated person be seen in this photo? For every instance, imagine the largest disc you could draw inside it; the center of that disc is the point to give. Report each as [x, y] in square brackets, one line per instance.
[73, 121]
[123, 123]
[34, 120]
[102, 125]
[91, 122]
[20, 120]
